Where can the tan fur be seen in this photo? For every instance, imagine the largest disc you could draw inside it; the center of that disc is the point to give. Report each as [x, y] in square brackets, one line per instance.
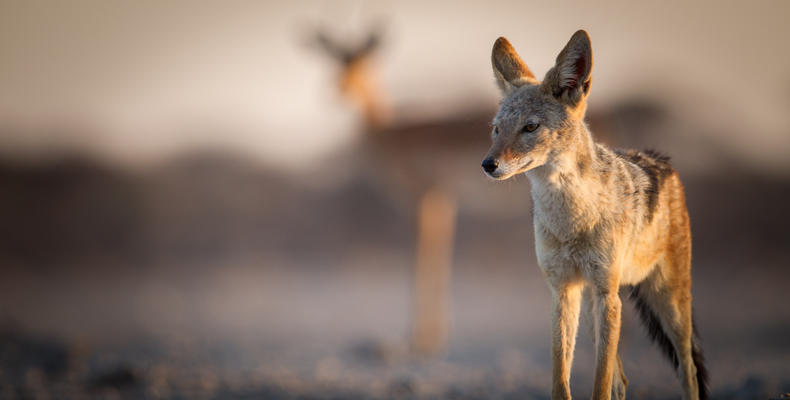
[436, 232]
[357, 83]
[602, 218]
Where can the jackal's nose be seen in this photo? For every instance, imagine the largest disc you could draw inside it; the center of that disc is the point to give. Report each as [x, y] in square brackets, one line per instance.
[490, 164]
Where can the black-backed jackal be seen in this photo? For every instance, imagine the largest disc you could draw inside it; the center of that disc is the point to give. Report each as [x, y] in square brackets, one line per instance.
[602, 219]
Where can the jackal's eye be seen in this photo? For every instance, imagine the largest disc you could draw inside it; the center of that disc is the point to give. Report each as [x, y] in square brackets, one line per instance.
[496, 130]
[530, 127]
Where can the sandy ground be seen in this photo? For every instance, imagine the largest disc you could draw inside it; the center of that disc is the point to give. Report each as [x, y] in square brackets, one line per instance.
[320, 307]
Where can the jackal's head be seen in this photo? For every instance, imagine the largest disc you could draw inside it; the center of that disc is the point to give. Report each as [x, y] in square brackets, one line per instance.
[537, 120]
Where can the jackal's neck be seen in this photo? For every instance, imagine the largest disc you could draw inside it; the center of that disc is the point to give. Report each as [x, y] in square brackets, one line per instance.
[573, 160]
[566, 190]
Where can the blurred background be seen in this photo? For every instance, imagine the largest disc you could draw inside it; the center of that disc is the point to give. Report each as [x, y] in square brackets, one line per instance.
[229, 199]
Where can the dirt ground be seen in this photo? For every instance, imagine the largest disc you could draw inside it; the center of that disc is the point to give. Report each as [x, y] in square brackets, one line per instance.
[163, 285]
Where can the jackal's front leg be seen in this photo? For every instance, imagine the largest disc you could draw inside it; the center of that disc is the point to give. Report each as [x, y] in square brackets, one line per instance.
[619, 380]
[565, 322]
[606, 312]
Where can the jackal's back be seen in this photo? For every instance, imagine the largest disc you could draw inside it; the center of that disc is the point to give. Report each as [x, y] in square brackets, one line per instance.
[652, 204]
[656, 168]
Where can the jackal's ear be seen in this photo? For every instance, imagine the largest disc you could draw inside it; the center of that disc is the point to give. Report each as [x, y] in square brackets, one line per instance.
[569, 79]
[510, 72]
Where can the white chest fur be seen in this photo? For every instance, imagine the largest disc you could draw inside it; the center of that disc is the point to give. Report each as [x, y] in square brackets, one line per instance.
[569, 241]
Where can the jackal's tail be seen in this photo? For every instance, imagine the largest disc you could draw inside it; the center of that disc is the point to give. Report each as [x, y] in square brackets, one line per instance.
[657, 334]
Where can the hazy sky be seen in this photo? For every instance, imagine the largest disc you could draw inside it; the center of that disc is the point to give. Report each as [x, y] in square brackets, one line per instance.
[146, 78]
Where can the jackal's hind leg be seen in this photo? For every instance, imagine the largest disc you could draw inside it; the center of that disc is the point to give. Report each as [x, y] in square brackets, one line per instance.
[620, 382]
[666, 313]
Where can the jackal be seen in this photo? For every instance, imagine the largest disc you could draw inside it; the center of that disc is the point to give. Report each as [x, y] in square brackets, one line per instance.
[602, 218]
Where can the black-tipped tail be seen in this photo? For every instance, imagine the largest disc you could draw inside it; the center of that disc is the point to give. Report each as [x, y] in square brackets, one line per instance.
[699, 362]
[660, 338]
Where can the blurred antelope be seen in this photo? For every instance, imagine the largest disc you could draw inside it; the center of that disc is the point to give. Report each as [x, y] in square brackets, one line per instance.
[427, 160]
